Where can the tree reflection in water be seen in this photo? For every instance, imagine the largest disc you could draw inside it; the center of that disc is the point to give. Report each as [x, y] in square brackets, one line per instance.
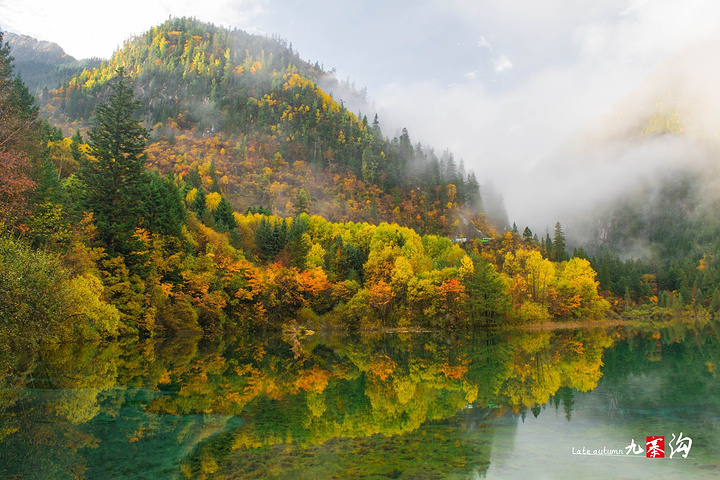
[418, 405]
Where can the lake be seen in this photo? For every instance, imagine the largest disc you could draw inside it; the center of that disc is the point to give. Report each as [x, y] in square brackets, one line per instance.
[508, 404]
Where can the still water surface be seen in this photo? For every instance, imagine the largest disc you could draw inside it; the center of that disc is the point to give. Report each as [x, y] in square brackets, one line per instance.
[469, 405]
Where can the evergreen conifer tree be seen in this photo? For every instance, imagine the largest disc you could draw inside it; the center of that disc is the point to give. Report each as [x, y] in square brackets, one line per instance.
[559, 247]
[224, 215]
[549, 250]
[301, 202]
[77, 140]
[113, 176]
[527, 235]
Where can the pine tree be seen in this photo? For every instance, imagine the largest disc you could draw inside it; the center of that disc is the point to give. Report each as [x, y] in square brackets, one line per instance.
[450, 167]
[194, 179]
[527, 235]
[19, 140]
[559, 248]
[549, 250]
[163, 210]
[369, 166]
[301, 202]
[113, 176]
[18, 111]
[474, 200]
[224, 215]
[199, 203]
[263, 239]
[376, 127]
[298, 244]
[271, 238]
[715, 301]
[77, 140]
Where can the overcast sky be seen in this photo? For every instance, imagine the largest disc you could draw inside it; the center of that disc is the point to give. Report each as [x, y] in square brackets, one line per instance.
[503, 84]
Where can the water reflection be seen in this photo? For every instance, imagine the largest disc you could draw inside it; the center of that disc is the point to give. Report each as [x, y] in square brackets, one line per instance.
[401, 406]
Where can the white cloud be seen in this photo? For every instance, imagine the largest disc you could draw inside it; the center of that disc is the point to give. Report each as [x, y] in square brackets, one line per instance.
[502, 64]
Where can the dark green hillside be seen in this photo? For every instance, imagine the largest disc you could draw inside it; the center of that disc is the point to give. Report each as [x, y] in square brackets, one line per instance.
[672, 230]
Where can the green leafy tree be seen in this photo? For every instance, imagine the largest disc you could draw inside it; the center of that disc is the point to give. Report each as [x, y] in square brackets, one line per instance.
[114, 175]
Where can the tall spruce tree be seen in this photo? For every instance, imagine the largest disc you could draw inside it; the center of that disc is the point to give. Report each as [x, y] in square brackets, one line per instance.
[549, 251]
[559, 247]
[20, 140]
[527, 235]
[113, 175]
[224, 215]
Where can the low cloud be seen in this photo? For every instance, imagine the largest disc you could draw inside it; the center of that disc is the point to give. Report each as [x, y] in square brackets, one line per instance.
[546, 130]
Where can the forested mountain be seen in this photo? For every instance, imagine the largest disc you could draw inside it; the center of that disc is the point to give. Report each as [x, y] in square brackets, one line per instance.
[103, 234]
[246, 113]
[44, 65]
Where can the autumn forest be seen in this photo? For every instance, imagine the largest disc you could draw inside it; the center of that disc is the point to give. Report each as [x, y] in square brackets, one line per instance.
[203, 180]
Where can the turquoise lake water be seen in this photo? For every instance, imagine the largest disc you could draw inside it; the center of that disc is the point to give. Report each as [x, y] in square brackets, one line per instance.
[461, 405]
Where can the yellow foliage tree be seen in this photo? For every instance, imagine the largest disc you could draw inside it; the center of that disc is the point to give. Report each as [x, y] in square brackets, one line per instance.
[577, 293]
[212, 201]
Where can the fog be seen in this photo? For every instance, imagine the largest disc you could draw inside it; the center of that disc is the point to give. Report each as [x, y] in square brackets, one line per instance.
[571, 135]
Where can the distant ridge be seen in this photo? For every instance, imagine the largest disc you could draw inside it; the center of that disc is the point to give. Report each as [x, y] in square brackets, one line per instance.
[43, 65]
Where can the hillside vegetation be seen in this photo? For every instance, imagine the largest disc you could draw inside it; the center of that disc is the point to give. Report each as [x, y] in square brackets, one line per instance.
[104, 234]
[247, 113]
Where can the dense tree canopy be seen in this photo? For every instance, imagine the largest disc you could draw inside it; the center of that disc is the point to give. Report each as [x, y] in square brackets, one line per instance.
[148, 234]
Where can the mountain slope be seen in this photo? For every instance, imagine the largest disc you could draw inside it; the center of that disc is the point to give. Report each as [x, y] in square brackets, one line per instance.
[43, 65]
[246, 113]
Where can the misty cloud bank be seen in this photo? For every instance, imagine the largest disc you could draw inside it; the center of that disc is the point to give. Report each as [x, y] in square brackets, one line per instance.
[569, 135]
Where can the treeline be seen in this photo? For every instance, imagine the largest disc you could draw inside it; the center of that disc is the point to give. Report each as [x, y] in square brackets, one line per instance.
[249, 104]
